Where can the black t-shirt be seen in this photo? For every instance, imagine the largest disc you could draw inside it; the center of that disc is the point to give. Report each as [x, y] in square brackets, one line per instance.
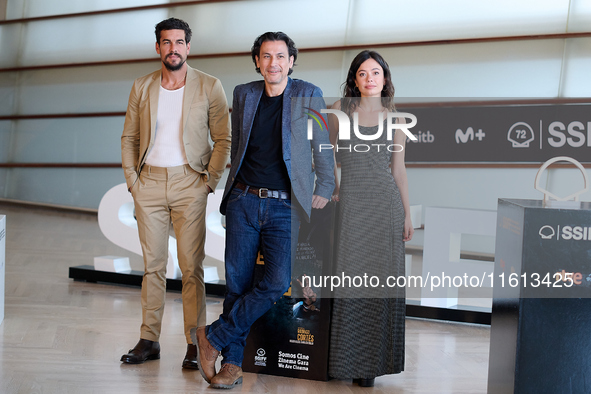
[263, 164]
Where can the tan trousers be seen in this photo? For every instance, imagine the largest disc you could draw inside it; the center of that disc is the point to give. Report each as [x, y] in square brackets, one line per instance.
[162, 195]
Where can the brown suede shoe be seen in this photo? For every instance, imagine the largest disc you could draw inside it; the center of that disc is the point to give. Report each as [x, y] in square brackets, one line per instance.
[206, 354]
[143, 351]
[190, 361]
[229, 376]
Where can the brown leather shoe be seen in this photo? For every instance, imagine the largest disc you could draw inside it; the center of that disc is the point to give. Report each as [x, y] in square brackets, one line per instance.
[190, 361]
[143, 351]
[206, 354]
[229, 376]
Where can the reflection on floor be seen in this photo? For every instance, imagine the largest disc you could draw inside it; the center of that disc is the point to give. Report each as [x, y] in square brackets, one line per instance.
[61, 336]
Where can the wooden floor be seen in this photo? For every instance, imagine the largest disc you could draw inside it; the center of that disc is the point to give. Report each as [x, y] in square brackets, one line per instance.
[61, 336]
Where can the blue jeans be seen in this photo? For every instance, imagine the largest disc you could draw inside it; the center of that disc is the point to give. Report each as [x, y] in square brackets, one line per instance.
[252, 223]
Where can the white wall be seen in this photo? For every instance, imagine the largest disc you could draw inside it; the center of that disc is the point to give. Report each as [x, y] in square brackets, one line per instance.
[553, 68]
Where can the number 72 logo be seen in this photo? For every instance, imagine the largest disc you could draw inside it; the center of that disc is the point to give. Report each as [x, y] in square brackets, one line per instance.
[520, 135]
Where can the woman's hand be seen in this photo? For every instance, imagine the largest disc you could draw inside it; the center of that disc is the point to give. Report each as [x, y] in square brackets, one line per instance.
[335, 193]
[408, 229]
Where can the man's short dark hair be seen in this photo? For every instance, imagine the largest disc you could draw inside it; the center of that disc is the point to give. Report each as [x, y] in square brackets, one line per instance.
[173, 24]
[273, 36]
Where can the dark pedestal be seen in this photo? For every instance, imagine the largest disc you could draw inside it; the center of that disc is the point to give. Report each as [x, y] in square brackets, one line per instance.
[540, 339]
[87, 273]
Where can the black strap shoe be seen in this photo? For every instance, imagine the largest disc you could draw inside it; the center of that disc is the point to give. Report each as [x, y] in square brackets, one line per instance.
[144, 350]
[365, 382]
[190, 361]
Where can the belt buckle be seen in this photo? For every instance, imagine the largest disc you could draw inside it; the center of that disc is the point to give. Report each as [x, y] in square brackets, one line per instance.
[263, 189]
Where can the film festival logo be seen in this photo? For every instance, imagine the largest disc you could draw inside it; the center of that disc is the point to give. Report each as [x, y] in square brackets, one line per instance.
[575, 233]
[520, 135]
[261, 358]
[345, 130]
[546, 232]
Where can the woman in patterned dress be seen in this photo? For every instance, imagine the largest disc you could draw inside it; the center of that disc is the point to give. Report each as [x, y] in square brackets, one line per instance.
[367, 327]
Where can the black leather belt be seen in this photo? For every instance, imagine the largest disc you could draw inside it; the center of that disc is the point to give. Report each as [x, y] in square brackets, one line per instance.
[263, 192]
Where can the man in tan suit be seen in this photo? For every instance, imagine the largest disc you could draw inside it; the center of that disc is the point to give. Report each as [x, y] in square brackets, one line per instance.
[170, 168]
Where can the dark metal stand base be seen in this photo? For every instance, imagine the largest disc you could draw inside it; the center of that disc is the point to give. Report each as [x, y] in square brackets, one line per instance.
[134, 278]
[456, 315]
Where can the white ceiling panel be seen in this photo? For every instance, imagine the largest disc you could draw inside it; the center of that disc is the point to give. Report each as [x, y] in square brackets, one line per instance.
[233, 26]
[487, 70]
[9, 45]
[385, 21]
[7, 93]
[576, 80]
[580, 16]
[91, 39]
[33, 8]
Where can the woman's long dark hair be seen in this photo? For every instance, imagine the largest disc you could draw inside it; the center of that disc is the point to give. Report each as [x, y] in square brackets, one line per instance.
[351, 92]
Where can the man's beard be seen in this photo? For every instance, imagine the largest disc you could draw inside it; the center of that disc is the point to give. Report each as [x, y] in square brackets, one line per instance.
[171, 67]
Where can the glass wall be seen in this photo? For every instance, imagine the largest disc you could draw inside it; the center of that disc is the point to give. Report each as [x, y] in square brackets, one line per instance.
[76, 86]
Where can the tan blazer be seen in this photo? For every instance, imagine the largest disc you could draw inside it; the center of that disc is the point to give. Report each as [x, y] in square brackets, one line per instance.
[205, 114]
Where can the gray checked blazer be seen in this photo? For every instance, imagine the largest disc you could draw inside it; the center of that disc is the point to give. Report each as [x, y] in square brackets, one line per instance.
[310, 169]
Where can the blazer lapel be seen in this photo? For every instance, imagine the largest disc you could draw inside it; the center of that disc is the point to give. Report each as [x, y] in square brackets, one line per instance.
[153, 92]
[251, 103]
[286, 125]
[191, 83]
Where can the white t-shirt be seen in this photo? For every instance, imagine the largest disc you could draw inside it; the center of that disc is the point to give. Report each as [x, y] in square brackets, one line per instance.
[168, 149]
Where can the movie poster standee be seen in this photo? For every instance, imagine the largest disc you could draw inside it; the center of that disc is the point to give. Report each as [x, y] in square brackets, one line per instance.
[292, 338]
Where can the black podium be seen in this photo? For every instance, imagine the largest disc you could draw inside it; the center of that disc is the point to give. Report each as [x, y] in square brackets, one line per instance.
[540, 340]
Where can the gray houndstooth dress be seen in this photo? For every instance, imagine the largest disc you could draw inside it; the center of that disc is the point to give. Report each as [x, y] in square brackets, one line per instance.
[367, 328]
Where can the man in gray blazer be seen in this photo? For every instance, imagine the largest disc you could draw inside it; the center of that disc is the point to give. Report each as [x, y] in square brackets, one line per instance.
[272, 185]
[170, 168]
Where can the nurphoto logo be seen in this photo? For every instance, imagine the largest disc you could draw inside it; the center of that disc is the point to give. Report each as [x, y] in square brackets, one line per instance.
[315, 115]
[345, 130]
